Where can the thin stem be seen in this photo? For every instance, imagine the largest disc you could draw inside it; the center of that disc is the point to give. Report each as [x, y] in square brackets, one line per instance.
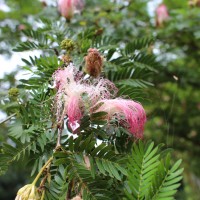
[59, 139]
[9, 117]
[42, 169]
[43, 193]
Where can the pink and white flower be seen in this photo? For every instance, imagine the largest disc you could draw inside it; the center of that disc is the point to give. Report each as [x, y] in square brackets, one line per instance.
[130, 114]
[67, 8]
[77, 96]
[162, 14]
[71, 90]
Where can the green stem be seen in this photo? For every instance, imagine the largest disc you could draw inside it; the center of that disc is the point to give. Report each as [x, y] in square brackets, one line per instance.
[43, 168]
[43, 193]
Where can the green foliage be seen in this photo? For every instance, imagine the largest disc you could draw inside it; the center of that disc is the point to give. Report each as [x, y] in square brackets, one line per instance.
[101, 161]
[150, 176]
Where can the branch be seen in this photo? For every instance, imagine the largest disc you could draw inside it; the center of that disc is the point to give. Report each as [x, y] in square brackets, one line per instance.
[8, 118]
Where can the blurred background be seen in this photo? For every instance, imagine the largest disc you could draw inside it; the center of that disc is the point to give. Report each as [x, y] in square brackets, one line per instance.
[172, 104]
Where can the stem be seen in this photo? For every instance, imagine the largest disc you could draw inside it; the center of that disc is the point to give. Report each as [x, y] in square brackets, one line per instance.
[69, 190]
[43, 193]
[43, 168]
[9, 117]
[59, 139]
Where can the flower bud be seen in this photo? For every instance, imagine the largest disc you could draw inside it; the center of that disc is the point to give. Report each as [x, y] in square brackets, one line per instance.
[68, 45]
[162, 15]
[67, 8]
[66, 59]
[21, 27]
[13, 93]
[28, 192]
[93, 62]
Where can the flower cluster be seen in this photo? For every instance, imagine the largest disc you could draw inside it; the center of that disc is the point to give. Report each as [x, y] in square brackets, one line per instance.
[77, 96]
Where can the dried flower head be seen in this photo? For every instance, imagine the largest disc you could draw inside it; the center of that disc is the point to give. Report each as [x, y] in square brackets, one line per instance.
[28, 192]
[93, 62]
[162, 15]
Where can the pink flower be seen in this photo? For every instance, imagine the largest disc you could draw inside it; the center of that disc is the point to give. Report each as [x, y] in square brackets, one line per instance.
[162, 14]
[74, 112]
[75, 96]
[21, 27]
[67, 8]
[130, 114]
[64, 76]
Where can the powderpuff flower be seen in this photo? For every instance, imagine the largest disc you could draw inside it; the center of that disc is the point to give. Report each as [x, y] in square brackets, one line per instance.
[75, 95]
[129, 114]
[62, 77]
[162, 14]
[67, 8]
[101, 89]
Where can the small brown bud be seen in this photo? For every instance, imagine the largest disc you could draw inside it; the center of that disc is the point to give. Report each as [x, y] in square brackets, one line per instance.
[66, 59]
[93, 62]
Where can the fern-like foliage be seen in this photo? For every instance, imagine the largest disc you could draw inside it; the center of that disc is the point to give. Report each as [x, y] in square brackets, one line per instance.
[166, 181]
[150, 176]
[103, 167]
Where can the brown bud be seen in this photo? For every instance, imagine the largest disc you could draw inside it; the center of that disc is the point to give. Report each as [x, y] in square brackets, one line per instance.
[93, 62]
[66, 59]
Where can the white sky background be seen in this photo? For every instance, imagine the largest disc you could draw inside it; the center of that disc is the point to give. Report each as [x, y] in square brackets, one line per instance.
[9, 65]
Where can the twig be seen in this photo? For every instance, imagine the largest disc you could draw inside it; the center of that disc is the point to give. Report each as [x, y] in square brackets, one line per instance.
[42, 169]
[9, 117]
[58, 145]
